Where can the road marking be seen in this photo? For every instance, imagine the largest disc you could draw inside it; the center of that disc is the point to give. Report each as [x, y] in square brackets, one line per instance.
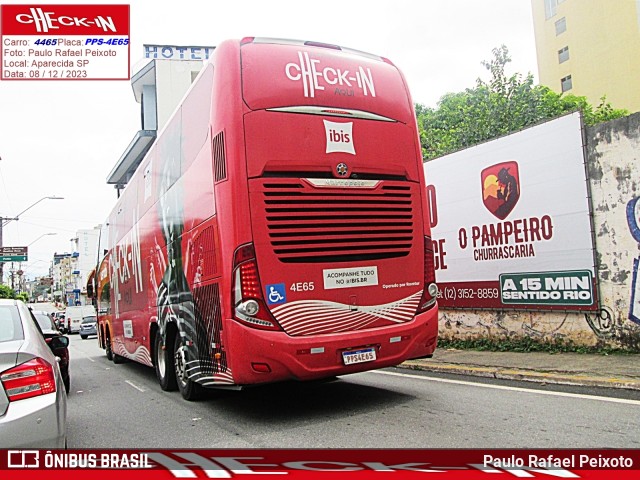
[140, 389]
[78, 349]
[512, 389]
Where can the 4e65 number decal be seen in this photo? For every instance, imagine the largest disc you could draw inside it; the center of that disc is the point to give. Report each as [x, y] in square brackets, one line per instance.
[302, 287]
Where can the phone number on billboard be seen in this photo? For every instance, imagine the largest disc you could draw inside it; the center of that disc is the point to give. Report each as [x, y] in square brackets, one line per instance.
[451, 293]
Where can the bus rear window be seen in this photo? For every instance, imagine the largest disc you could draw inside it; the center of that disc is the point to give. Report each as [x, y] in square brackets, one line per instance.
[311, 75]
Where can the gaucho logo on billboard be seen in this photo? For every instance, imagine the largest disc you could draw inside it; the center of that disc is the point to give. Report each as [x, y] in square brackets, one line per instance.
[501, 188]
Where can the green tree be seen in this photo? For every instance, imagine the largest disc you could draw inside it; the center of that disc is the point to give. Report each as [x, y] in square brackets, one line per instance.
[497, 107]
[7, 292]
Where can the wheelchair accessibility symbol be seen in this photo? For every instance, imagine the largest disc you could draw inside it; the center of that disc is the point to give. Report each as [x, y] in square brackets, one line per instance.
[276, 293]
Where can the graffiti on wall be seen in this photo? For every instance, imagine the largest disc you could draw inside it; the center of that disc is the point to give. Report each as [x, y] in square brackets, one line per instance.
[540, 325]
[601, 323]
[633, 219]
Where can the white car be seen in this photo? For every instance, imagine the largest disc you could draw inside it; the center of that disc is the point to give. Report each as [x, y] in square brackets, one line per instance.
[33, 402]
[75, 314]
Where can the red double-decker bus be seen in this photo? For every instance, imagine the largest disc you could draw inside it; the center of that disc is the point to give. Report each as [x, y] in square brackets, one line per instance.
[277, 229]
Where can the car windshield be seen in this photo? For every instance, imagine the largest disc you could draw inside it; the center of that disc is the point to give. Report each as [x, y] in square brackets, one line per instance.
[44, 321]
[10, 326]
[89, 320]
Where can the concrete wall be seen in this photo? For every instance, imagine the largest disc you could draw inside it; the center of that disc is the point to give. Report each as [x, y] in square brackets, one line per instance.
[613, 165]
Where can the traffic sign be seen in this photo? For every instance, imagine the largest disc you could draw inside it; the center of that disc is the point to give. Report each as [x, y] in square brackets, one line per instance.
[13, 254]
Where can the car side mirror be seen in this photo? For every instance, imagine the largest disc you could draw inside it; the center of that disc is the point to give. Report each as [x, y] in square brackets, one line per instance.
[59, 342]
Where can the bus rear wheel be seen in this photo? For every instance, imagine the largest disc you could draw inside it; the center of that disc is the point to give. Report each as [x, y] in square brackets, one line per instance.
[165, 371]
[189, 389]
[107, 346]
[115, 358]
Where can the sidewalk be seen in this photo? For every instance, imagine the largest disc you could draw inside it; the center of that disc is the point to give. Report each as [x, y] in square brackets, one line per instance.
[614, 371]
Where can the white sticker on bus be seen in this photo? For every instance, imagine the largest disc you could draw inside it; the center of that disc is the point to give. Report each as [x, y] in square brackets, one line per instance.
[339, 137]
[350, 277]
[128, 328]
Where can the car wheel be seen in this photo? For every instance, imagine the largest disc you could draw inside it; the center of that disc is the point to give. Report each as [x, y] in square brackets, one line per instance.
[163, 362]
[189, 389]
[84, 337]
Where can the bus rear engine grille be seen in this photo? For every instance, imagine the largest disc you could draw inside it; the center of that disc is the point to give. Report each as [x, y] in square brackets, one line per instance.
[309, 225]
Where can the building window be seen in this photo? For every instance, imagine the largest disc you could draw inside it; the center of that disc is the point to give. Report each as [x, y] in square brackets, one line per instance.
[566, 83]
[563, 55]
[551, 8]
[561, 26]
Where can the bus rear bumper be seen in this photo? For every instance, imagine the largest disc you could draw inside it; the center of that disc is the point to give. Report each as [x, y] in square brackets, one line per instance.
[268, 356]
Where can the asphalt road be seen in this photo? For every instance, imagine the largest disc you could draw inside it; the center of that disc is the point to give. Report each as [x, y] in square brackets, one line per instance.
[122, 406]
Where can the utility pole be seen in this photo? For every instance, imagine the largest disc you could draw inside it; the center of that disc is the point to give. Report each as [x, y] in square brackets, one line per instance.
[5, 220]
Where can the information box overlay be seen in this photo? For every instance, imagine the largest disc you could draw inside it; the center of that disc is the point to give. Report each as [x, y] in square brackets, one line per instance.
[64, 42]
[316, 464]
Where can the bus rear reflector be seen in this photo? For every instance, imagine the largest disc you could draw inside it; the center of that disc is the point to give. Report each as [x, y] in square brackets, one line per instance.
[261, 367]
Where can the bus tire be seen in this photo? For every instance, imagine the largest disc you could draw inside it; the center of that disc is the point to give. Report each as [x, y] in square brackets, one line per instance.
[118, 359]
[107, 346]
[189, 389]
[163, 363]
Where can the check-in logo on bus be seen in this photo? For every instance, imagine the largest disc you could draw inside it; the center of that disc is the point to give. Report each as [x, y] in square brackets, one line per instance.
[339, 137]
[315, 76]
[46, 21]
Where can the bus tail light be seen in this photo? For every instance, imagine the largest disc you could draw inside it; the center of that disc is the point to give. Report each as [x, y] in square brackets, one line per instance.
[430, 294]
[29, 379]
[249, 306]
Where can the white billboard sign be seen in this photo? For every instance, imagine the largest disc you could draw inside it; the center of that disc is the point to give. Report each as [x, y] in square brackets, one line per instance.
[511, 222]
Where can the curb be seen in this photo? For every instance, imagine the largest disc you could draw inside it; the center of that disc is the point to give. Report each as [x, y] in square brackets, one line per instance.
[554, 377]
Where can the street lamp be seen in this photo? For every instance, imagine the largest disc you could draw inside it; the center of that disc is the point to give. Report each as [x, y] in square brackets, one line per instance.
[43, 235]
[5, 220]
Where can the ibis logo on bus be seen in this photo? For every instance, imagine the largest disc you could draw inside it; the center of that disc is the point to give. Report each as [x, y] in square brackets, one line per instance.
[339, 137]
[317, 77]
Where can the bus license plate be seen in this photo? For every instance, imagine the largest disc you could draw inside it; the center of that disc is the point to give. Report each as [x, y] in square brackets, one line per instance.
[359, 356]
